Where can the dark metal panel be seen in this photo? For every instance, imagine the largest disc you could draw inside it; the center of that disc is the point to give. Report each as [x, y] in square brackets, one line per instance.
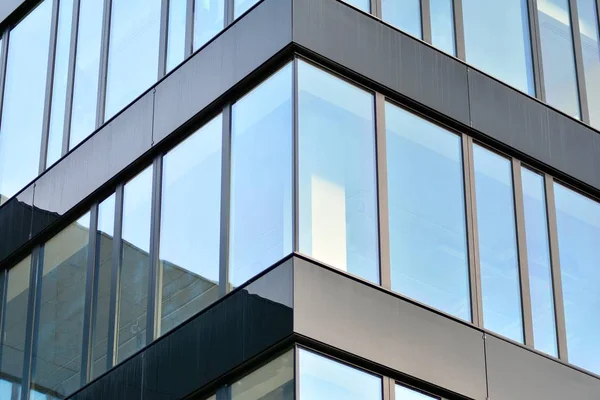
[371, 323]
[403, 64]
[224, 62]
[515, 373]
[534, 129]
[15, 222]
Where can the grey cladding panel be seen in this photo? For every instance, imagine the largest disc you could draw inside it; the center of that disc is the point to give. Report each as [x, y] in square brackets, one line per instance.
[388, 330]
[8, 6]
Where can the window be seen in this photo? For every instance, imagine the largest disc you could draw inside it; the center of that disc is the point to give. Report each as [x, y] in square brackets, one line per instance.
[497, 40]
[337, 198]
[404, 393]
[209, 19]
[323, 378]
[428, 244]
[273, 381]
[500, 283]
[13, 331]
[404, 14]
[58, 349]
[133, 51]
[24, 96]
[241, 6]
[59, 85]
[538, 257]
[261, 178]
[135, 264]
[558, 59]
[360, 4]
[588, 27]
[102, 275]
[176, 33]
[578, 225]
[442, 25]
[190, 225]
[87, 71]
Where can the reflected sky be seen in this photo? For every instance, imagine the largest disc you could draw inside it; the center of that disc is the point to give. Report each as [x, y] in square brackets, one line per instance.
[404, 393]
[176, 33]
[588, 26]
[241, 6]
[364, 5]
[403, 14]
[209, 19]
[442, 25]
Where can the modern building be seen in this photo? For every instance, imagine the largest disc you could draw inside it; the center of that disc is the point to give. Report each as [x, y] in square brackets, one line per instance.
[299, 199]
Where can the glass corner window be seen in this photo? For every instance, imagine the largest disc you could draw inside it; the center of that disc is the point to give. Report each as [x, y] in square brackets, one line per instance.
[272, 381]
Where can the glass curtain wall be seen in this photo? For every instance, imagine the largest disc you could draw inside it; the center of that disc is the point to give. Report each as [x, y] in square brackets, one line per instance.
[403, 14]
[590, 46]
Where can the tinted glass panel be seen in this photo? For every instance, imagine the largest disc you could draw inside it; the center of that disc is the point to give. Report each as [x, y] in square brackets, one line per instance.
[24, 95]
[323, 378]
[338, 203]
[59, 85]
[360, 4]
[404, 14]
[538, 257]
[578, 224]
[87, 70]
[497, 40]
[103, 274]
[590, 44]
[241, 6]
[208, 20]
[442, 25]
[133, 51]
[57, 354]
[404, 393]
[13, 332]
[190, 225]
[133, 291]
[10, 390]
[261, 178]
[558, 60]
[176, 33]
[429, 259]
[500, 283]
[273, 381]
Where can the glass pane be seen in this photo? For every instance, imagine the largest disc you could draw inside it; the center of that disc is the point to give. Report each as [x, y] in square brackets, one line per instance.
[57, 352]
[103, 274]
[208, 20]
[24, 95]
[338, 201]
[241, 6]
[500, 283]
[428, 243]
[176, 33]
[497, 40]
[442, 25]
[133, 291]
[273, 381]
[59, 86]
[87, 70]
[133, 51]
[13, 332]
[538, 257]
[590, 44]
[403, 14]
[578, 224]
[190, 225]
[261, 178]
[323, 378]
[558, 59]
[404, 393]
[10, 390]
[364, 5]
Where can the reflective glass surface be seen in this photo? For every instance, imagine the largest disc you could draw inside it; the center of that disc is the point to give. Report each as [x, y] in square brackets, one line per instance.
[500, 283]
[337, 198]
[135, 263]
[497, 40]
[578, 224]
[59, 85]
[133, 51]
[442, 25]
[261, 178]
[102, 274]
[272, 381]
[87, 70]
[176, 33]
[558, 59]
[190, 225]
[241, 6]
[209, 19]
[590, 44]
[403, 14]
[538, 257]
[57, 350]
[404, 393]
[24, 95]
[324, 378]
[13, 331]
[360, 4]
[428, 244]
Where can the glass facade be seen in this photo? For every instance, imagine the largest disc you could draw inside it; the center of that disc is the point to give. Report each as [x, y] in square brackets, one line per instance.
[241, 6]
[272, 381]
[404, 393]
[590, 46]
[209, 19]
[360, 4]
[403, 14]
[176, 33]
[442, 25]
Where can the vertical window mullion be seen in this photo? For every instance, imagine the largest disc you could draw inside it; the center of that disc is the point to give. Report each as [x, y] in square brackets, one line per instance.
[426, 21]
[536, 50]
[583, 103]
[189, 29]
[154, 277]
[376, 8]
[228, 13]
[71, 77]
[225, 202]
[164, 38]
[459, 29]
[295, 161]
[103, 75]
[3, 58]
[3, 292]
[382, 192]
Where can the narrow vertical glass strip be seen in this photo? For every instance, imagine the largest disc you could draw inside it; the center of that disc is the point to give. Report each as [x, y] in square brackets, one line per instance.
[241, 6]
[403, 14]
[442, 25]
[209, 20]
[538, 257]
[176, 33]
[59, 86]
[558, 57]
[590, 44]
